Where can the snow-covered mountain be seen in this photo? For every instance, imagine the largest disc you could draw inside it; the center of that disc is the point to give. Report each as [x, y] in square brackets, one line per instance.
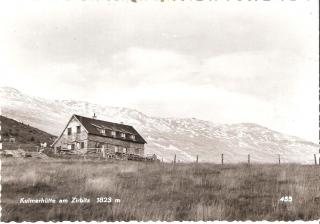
[185, 137]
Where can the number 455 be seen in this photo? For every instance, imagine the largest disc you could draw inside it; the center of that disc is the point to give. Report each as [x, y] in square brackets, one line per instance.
[286, 199]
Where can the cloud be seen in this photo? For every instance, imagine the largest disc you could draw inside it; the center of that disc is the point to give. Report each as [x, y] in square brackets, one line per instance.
[137, 66]
[217, 60]
[77, 33]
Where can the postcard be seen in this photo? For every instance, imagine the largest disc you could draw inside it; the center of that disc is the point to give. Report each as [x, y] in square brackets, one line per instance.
[159, 110]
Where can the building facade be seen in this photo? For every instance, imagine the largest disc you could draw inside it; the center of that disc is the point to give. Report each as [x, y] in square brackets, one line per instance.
[83, 134]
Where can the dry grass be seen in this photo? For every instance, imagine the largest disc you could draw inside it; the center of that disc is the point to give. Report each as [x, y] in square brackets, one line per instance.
[159, 191]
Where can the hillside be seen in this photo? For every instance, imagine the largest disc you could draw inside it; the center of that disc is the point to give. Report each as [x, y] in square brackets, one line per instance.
[23, 134]
[185, 137]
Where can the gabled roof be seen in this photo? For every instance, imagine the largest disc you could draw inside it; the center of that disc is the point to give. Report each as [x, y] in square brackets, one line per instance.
[93, 126]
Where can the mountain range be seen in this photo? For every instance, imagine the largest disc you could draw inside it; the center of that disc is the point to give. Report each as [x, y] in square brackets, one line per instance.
[184, 137]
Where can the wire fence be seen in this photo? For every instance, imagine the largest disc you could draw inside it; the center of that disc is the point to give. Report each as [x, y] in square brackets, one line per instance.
[250, 159]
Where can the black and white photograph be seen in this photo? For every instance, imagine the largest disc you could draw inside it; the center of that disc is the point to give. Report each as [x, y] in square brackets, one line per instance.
[159, 110]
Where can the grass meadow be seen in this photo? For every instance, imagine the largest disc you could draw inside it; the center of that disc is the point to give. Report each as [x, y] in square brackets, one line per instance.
[158, 191]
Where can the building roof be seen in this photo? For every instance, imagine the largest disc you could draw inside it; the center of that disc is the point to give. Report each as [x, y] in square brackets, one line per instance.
[93, 126]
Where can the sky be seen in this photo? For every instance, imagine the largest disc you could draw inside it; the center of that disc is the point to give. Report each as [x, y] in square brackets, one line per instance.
[223, 61]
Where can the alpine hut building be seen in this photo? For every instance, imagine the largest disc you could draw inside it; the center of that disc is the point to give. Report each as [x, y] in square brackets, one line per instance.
[83, 133]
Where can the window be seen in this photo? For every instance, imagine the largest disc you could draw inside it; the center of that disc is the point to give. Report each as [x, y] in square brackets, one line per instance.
[78, 129]
[133, 137]
[123, 135]
[136, 151]
[81, 145]
[69, 131]
[113, 133]
[116, 149]
[124, 150]
[71, 146]
[102, 131]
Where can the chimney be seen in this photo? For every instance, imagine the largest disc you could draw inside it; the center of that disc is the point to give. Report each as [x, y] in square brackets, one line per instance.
[94, 116]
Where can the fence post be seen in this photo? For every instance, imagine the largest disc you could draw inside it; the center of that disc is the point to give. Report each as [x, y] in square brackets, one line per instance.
[315, 159]
[175, 158]
[222, 159]
[197, 158]
[279, 160]
[248, 159]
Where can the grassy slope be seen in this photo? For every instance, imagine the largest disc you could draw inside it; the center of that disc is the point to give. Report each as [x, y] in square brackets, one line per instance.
[24, 134]
[159, 191]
